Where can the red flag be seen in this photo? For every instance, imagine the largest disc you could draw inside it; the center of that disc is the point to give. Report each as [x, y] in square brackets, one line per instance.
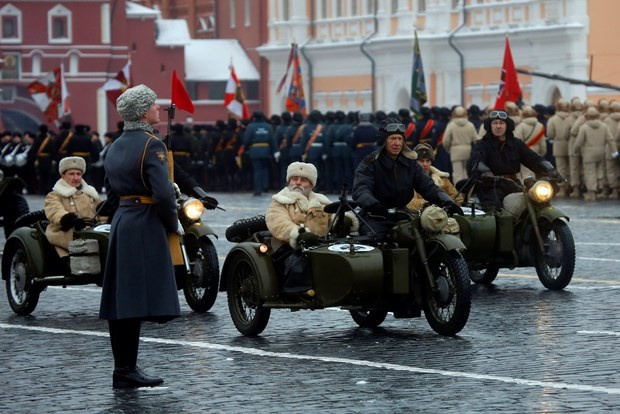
[288, 65]
[120, 83]
[51, 95]
[234, 100]
[295, 101]
[180, 97]
[509, 89]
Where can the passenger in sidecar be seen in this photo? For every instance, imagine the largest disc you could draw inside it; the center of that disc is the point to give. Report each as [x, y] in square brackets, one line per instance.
[295, 218]
[70, 203]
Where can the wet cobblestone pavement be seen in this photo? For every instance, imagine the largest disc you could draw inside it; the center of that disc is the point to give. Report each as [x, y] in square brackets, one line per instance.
[524, 348]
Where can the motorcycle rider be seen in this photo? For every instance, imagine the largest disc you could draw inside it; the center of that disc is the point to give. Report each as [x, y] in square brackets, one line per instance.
[388, 177]
[499, 153]
[70, 202]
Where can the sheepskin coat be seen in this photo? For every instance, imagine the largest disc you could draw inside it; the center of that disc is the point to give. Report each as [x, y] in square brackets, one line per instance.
[458, 139]
[65, 199]
[593, 139]
[558, 130]
[442, 179]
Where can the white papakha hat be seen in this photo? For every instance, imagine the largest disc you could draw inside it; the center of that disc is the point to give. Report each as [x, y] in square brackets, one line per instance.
[302, 169]
[70, 163]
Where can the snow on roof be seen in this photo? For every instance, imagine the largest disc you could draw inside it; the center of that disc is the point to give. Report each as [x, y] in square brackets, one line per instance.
[209, 60]
[172, 32]
[137, 11]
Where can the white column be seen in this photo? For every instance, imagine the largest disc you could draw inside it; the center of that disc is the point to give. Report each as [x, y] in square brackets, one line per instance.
[102, 112]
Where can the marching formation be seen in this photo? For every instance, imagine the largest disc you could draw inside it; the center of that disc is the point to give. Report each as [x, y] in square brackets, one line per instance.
[579, 138]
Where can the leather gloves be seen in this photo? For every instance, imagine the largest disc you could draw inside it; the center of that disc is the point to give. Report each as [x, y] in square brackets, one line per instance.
[210, 203]
[555, 175]
[71, 220]
[452, 208]
[378, 209]
[308, 239]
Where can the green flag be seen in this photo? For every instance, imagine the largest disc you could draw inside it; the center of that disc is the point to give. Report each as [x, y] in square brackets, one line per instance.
[418, 86]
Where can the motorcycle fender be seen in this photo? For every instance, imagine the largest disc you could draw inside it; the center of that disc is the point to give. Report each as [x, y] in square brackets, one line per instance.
[551, 213]
[34, 249]
[448, 241]
[263, 264]
[199, 230]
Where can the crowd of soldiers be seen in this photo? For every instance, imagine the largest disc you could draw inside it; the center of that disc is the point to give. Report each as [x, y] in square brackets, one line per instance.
[580, 138]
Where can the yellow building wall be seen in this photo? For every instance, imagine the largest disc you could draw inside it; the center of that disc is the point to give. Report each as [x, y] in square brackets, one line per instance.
[603, 44]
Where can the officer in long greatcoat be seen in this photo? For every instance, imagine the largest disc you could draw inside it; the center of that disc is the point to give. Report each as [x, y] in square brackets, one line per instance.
[139, 283]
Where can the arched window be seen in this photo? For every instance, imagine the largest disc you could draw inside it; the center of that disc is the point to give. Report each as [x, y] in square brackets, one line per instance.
[10, 24]
[59, 25]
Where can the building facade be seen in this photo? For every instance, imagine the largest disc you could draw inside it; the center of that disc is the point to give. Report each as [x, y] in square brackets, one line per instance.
[357, 54]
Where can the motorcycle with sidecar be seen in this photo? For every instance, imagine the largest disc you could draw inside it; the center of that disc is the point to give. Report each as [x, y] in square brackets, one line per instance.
[528, 231]
[30, 263]
[415, 270]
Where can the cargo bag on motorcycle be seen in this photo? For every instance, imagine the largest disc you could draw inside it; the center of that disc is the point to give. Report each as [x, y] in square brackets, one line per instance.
[84, 257]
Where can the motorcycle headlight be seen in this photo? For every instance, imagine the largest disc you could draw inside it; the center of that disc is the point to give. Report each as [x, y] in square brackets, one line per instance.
[193, 208]
[1, 175]
[541, 192]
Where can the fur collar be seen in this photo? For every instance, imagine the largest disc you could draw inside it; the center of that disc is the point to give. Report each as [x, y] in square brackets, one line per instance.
[286, 196]
[438, 175]
[65, 190]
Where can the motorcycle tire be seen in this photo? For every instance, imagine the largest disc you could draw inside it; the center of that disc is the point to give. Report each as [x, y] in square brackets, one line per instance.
[447, 308]
[244, 299]
[242, 229]
[555, 268]
[368, 319]
[201, 286]
[17, 207]
[484, 276]
[22, 295]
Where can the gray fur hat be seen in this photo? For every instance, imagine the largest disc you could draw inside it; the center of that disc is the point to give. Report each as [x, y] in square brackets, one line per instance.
[70, 163]
[134, 102]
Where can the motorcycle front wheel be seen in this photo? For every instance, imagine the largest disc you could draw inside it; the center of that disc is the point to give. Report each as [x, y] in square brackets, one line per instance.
[244, 299]
[556, 265]
[201, 286]
[23, 296]
[447, 306]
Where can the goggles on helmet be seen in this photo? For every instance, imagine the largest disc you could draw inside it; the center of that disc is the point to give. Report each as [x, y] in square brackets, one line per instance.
[395, 127]
[498, 115]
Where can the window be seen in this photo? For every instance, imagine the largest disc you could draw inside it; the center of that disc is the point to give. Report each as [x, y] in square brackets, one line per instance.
[59, 25]
[455, 3]
[286, 11]
[247, 13]
[339, 10]
[11, 66]
[11, 21]
[354, 8]
[394, 6]
[233, 14]
[421, 6]
[370, 6]
[323, 9]
[8, 94]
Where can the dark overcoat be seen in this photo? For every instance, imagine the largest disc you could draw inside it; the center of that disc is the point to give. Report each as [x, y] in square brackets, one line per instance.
[139, 277]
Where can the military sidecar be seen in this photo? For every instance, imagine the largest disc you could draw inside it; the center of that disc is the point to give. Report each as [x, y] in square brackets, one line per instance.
[416, 270]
